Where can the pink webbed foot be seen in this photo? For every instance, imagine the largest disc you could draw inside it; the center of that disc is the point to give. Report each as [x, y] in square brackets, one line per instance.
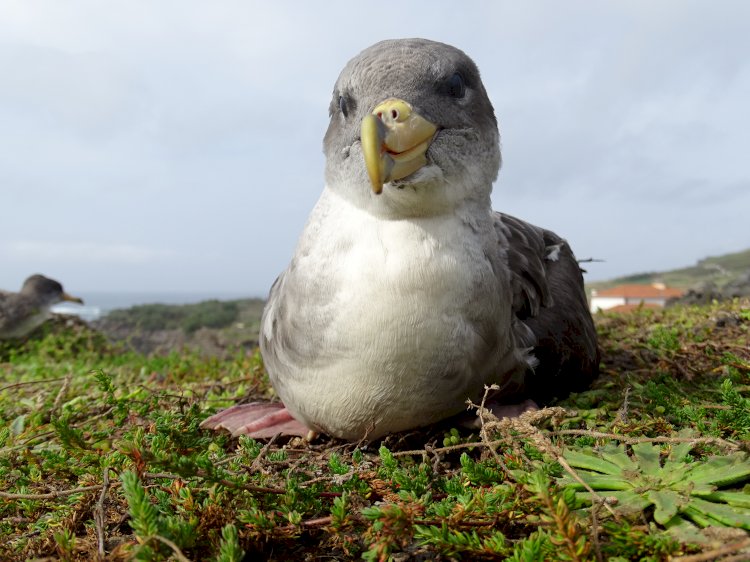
[257, 420]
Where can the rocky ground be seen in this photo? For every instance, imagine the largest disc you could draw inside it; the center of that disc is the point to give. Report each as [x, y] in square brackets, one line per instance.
[220, 342]
[708, 292]
[213, 328]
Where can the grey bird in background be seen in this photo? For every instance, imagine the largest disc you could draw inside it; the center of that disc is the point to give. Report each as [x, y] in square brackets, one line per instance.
[23, 311]
[407, 294]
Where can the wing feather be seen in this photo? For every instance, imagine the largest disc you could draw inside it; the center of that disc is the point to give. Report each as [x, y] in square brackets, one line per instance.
[551, 310]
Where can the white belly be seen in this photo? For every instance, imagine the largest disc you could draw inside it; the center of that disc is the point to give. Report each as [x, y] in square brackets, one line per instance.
[405, 319]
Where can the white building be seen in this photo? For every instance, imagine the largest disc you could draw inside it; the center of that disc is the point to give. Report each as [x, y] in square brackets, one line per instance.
[627, 297]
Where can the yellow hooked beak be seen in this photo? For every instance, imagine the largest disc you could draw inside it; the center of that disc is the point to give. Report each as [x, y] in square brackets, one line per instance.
[395, 139]
[70, 298]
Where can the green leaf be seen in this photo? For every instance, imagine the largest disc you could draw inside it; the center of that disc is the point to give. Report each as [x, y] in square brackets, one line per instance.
[144, 517]
[596, 482]
[700, 518]
[684, 531]
[676, 473]
[628, 501]
[736, 499]
[667, 503]
[725, 514]
[647, 457]
[386, 457]
[590, 461]
[18, 425]
[230, 550]
[721, 471]
[617, 455]
[680, 450]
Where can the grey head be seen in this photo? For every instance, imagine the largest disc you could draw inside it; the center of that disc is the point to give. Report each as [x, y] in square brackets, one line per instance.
[23, 311]
[46, 291]
[456, 140]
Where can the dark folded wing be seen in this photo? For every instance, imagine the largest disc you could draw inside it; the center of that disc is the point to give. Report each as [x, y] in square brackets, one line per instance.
[550, 301]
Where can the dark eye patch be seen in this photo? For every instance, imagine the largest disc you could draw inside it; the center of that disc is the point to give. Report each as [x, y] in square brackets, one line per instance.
[454, 86]
[342, 106]
[346, 105]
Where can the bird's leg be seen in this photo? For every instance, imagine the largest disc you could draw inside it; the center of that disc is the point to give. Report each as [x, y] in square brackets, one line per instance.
[500, 411]
[511, 410]
[258, 420]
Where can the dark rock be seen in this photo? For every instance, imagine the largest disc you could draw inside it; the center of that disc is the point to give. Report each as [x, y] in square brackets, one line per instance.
[707, 292]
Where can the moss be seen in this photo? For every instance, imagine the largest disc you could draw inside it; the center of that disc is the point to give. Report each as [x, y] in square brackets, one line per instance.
[100, 448]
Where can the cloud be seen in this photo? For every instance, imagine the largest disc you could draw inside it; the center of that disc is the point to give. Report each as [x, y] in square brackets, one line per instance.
[80, 252]
[128, 128]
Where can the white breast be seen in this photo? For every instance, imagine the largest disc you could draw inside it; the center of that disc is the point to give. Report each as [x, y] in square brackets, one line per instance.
[407, 315]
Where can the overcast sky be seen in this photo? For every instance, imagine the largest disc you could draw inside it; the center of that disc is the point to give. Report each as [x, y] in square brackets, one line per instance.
[159, 146]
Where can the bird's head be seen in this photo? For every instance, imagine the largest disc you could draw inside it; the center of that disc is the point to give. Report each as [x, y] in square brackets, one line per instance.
[412, 130]
[47, 290]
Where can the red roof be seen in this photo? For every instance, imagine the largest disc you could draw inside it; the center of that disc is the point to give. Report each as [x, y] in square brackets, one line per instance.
[631, 307]
[640, 292]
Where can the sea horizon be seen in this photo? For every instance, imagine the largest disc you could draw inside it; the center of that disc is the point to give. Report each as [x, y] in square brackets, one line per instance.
[99, 303]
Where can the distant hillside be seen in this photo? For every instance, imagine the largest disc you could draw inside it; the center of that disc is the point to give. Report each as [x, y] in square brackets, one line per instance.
[190, 317]
[719, 270]
[214, 327]
[220, 327]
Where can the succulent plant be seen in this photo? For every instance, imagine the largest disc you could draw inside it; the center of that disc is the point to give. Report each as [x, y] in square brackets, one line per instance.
[681, 493]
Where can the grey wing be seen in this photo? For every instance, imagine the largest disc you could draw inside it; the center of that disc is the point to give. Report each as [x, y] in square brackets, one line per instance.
[278, 344]
[17, 315]
[274, 324]
[294, 323]
[5, 311]
[551, 310]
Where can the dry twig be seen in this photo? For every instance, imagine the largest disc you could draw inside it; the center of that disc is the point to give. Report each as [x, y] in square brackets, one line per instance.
[50, 495]
[26, 383]
[633, 440]
[98, 512]
[716, 553]
[258, 461]
[175, 549]
[524, 425]
[61, 394]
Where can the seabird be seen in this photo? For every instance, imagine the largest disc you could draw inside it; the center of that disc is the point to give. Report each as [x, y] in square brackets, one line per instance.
[407, 294]
[21, 312]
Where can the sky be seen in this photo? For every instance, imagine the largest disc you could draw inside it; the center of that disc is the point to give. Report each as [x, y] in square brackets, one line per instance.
[177, 146]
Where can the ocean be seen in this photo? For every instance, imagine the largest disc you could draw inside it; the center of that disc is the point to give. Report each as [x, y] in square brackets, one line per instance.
[98, 304]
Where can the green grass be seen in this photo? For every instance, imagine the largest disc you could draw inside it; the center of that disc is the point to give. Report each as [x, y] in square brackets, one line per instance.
[101, 453]
[720, 270]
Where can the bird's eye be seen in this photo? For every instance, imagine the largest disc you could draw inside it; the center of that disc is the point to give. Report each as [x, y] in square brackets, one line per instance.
[342, 106]
[456, 87]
